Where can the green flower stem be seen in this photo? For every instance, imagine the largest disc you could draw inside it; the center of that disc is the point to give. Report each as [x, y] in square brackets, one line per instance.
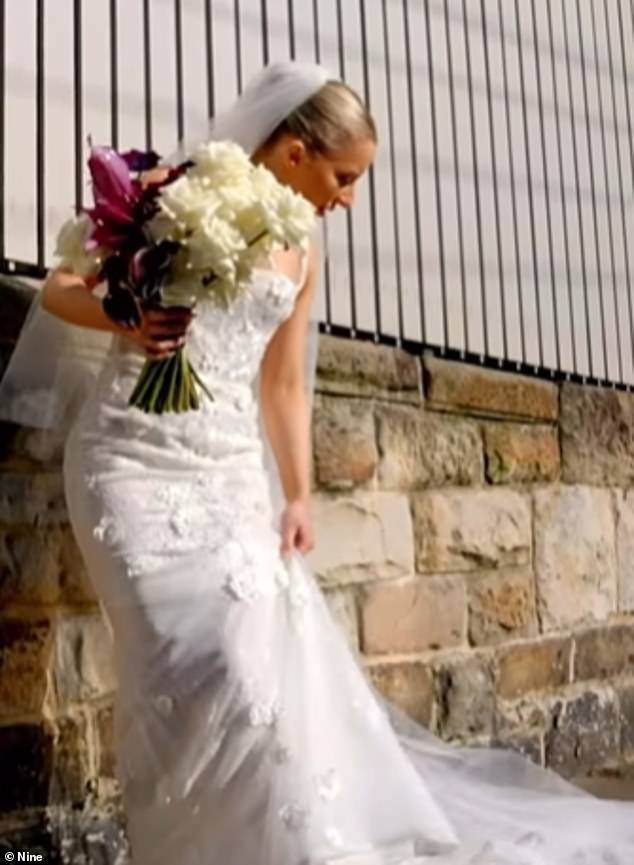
[170, 384]
[148, 373]
[183, 402]
[202, 384]
[173, 376]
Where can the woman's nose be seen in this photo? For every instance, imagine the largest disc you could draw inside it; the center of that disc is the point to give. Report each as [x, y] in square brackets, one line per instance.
[346, 198]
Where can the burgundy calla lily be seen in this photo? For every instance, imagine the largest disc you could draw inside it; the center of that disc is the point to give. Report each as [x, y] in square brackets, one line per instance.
[116, 195]
[110, 175]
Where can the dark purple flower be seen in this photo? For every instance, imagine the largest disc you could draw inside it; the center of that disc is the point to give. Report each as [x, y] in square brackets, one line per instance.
[140, 160]
[148, 268]
[119, 302]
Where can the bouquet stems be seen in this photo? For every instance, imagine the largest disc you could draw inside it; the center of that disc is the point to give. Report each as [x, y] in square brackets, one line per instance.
[169, 384]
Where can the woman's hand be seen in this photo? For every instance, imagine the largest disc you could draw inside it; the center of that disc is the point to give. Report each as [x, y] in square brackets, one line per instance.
[162, 331]
[296, 528]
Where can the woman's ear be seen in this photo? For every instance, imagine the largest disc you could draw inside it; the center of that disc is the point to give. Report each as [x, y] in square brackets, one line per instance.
[296, 152]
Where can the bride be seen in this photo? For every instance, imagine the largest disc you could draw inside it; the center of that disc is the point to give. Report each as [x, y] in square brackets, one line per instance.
[246, 732]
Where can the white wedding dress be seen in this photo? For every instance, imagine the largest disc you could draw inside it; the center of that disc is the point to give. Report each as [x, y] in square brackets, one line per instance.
[246, 731]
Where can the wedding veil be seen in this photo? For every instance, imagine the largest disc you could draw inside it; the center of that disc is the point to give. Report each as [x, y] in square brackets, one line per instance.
[54, 363]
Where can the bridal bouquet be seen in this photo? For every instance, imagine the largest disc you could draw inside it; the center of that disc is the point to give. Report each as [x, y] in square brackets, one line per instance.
[197, 233]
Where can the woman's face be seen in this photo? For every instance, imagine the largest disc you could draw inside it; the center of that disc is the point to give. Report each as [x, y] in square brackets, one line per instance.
[326, 180]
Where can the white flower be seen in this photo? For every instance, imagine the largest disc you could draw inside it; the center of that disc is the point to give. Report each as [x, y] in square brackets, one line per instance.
[186, 202]
[221, 163]
[71, 247]
[215, 246]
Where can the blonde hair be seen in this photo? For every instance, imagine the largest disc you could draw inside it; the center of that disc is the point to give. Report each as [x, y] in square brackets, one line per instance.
[329, 121]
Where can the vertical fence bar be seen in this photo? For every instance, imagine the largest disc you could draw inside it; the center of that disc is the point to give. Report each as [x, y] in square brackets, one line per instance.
[147, 72]
[529, 172]
[549, 221]
[593, 190]
[494, 170]
[372, 178]
[351, 262]
[511, 158]
[291, 30]
[414, 153]
[562, 185]
[628, 109]
[575, 159]
[40, 133]
[390, 120]
[114, 74]
[77, 101]
[178, 54]
[264, 11]
[606, 180]
[457, 186]
[324, 225]
[238, 35]
[317, 46]
[3, 60]
[617, 139]
[439, 211]
[476, 180]
[209, 58]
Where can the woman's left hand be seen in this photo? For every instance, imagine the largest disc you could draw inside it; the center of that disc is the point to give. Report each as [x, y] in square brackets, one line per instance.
[296, 528]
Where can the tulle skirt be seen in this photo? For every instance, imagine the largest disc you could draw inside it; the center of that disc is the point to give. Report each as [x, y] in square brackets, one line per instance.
[246, 731]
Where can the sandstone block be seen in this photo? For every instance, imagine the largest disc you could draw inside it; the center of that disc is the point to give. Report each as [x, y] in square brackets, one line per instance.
[420, 450]
[42, 566]
[521, 453]
[361, 537]
[344, 443]
[359, 368]
[624, 506]
[502, 606]
[606, 652]
[533, 666]
[575, 558]
[413, 615]
[585, 733]
[625, 693]
[597, 445]
[24, 659]
[460, 387]
[410, 685]
[71, 772]
[104, 719]
[32, 499]
[467, 530]
[83, 666]
[466, 698]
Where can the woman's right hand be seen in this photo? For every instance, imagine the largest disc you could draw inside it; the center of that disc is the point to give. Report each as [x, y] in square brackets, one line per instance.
[161, 331]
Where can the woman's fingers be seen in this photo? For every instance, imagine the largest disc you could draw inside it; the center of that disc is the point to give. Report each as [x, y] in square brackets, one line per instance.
[162, 348]
[169, 315]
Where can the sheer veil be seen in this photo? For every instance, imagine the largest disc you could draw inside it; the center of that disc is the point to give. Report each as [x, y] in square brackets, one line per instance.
[54, 364]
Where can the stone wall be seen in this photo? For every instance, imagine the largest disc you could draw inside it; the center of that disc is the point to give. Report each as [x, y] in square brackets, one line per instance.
[473, 540]
[476, 542]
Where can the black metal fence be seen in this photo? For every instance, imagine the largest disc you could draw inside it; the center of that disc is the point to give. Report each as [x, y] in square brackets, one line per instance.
[497, 224]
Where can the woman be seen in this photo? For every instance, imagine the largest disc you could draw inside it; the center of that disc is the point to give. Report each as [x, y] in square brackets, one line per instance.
[246, 732]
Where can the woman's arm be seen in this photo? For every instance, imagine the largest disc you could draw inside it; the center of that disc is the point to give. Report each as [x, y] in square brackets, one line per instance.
[69, 296]
[285, 408]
